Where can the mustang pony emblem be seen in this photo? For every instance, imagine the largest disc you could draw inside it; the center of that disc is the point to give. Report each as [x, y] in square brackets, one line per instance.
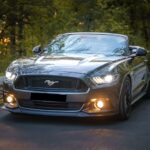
[50, 83]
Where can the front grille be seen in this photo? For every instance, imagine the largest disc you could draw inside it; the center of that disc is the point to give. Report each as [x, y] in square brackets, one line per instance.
[49, 102]
[41, 82]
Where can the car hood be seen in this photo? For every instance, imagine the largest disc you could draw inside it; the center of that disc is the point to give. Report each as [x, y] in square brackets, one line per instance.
[59, 64]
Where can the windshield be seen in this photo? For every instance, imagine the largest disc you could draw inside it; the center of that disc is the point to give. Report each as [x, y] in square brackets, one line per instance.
[88, 44]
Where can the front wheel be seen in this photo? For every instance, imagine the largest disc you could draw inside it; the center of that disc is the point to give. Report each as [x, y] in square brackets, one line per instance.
[125, 100]
[147, 95]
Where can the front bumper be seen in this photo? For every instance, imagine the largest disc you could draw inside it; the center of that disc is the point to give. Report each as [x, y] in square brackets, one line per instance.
[110, 92]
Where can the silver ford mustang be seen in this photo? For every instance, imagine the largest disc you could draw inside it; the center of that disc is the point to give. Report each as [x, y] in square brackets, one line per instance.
[78, 74]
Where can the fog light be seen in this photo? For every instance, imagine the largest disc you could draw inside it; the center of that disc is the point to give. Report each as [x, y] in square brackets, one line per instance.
[100, 104]
[11, 101]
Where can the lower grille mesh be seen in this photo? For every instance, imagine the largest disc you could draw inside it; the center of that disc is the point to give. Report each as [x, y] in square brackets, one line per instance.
[47, 105]
[49, 102]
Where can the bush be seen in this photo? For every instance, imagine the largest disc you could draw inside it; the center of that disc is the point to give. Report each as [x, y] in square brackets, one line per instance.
[4, 62]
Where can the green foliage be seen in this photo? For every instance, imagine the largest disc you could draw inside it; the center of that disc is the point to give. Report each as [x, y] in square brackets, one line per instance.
[4, 62]
[29, 23]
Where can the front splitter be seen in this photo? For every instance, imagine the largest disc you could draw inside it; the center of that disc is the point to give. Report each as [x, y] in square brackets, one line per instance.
[39, 112]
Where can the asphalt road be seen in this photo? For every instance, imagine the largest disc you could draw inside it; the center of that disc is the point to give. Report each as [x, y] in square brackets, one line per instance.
[56, 133]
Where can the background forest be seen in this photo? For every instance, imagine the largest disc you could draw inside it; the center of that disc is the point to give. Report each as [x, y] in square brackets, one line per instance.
[27, 23]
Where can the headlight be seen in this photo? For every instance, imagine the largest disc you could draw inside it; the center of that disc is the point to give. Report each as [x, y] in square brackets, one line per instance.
[105, 79]
[10, 76]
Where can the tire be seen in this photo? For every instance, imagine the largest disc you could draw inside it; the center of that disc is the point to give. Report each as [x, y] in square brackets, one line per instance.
[14, 114]
[125, 100]
[147, 95]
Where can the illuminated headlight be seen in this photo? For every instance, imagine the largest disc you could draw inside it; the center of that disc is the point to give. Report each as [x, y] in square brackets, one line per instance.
[105, 79]
[10, 76]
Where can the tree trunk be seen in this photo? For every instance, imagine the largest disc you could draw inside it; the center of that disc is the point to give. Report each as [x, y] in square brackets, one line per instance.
[13, 40]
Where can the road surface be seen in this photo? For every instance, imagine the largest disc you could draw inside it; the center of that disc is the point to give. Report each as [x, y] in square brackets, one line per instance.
[56, 133]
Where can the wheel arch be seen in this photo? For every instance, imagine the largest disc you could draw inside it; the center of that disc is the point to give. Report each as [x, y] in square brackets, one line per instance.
[127, 75]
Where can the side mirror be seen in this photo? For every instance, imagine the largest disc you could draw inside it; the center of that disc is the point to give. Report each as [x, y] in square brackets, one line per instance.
[37, 49]
[134, 51]
[141, 52]
[137, 51]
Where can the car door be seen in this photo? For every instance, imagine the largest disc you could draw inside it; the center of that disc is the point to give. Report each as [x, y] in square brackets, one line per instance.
[139, 74]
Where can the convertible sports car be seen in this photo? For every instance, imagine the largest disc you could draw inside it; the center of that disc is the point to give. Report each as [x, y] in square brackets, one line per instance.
[78, 74]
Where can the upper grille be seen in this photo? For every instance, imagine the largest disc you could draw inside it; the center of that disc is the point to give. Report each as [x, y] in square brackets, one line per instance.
[38, 83]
